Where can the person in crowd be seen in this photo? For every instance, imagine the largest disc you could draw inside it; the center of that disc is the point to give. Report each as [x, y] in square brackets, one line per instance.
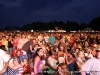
[70, 60]
[5, 42]
[18, 55]
[36, 47]
[37, 61]
[40, 38]
[28, 47]
[46, 38]
[14, 67]
[52, 63]
[15, 42]
[10, 44]
[4, 60]
[76, 52]
[52, 39]
[92, 66]
[61, 53]
[62, 69]
[80, 60]
[88, 53]
[22, 41]
[26, 67]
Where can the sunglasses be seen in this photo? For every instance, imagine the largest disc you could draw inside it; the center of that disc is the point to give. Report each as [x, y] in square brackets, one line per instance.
[97, 50]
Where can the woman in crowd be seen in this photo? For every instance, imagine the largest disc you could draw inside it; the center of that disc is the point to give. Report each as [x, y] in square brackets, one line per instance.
[70, 60]
[14, 67]
[62, 69]
[61, 53]
[88, 53]
[37, 61]
[76, 51]
[15, 42]
[10, 44]
[22, 41]
[5, 42]
[80, 60]
[52, 63]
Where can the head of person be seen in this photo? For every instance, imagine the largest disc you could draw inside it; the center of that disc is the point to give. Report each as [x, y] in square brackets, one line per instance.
[25, 61]
[71, 55]
[39, 53]
[77, 50]
[15, 61]
[3, 48]
[34, 41]
[18, 52]
[4, 38]
[23, 36]
[36, 46]
[63, 69]
[80, 54]
[61, 47]
[98, 52]
[52, 53]
[88, 50]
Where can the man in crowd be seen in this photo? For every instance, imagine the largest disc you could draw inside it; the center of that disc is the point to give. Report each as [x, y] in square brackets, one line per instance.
[28, 47]
[92, 66]
[4, 61]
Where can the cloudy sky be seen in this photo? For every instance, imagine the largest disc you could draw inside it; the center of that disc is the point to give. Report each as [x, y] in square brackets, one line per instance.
[21, 12]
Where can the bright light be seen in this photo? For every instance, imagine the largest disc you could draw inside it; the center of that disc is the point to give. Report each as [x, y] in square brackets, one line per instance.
[31, 30]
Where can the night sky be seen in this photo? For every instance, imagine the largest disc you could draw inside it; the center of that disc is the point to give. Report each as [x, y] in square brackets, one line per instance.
[21, 12]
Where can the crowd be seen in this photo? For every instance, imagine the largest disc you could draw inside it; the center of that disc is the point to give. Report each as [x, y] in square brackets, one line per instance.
[42, 53]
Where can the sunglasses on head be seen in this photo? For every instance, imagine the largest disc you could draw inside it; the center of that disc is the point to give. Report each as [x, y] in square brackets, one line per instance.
[97, 50]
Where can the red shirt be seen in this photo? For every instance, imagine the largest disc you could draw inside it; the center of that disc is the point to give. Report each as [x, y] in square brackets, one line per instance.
[0, 43]
[26, 68]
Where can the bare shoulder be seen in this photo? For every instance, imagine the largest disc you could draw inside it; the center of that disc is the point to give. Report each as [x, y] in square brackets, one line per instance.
[37, 58]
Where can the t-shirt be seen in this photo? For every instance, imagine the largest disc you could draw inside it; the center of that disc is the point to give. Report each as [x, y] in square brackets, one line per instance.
[92, 66]
[3, 58]
[26, 46]
[21, 42]
[52, 39]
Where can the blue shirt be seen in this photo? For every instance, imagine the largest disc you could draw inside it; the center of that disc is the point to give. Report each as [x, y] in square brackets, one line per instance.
[52, 39]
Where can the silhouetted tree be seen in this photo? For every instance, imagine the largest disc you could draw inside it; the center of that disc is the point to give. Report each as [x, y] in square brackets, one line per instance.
[95, 24]
[26, 27]
[14, 27]
[71, 25]
[8, 28]
[82, 26]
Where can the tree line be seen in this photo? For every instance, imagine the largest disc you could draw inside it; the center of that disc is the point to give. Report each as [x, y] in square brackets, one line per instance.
[69, 25]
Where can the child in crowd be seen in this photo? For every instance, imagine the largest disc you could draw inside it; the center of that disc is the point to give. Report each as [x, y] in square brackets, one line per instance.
[26, 67]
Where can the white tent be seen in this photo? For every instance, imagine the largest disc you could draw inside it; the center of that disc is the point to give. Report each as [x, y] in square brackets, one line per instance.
[88, 30]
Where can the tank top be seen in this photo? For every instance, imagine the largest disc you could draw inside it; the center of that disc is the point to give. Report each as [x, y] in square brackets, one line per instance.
[71, 66]
[51, 70]
[10, 45]
[38, 66]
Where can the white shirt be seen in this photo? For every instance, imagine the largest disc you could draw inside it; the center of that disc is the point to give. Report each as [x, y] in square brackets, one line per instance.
[90, 55]
[3, 58]
[46, 38]
[92, 66]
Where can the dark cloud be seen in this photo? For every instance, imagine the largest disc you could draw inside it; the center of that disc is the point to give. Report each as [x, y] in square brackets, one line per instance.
[10, 3]
[2, 6]
[77, 8]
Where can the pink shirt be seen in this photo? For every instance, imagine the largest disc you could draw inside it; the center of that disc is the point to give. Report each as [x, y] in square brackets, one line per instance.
[15, 42]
